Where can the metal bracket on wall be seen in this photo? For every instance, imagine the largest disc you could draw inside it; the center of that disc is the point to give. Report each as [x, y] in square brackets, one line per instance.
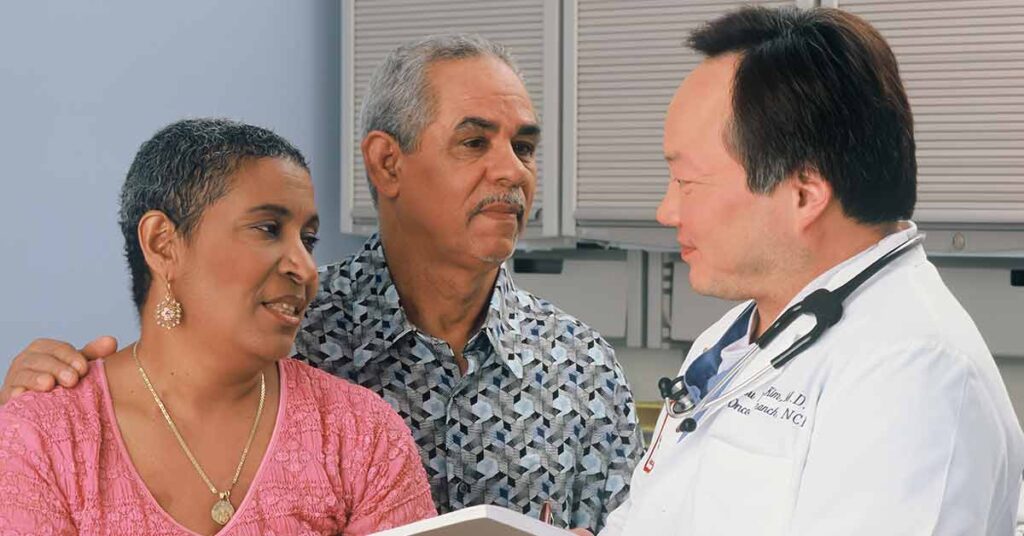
[659, 303]
[636, 297]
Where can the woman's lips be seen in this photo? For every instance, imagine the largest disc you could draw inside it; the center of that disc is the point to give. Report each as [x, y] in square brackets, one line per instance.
[286, 311]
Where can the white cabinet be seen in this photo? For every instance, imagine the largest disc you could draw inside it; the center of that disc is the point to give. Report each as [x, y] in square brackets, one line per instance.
[529, 28]
[601, 74]
[996, 306]
[625, 60]
[962, 62]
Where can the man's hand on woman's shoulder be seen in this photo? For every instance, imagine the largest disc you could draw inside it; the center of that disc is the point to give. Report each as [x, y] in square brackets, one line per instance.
[46, 363]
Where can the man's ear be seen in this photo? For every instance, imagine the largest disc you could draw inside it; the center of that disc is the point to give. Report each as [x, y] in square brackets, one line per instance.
[161, 244]
[813, 194]
[381, 154]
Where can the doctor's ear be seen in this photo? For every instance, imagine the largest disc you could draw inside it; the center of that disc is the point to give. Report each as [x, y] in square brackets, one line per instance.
[812, 195]
[381, 155]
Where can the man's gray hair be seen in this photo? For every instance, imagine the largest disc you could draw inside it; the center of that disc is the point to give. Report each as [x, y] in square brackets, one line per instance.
[399, 100]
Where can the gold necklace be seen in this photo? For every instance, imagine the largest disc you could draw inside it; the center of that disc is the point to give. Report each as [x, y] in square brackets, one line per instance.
[222, 510]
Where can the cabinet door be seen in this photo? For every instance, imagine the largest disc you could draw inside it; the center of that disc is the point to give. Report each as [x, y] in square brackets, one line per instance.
[624, 62]
[962, 62]
[529, 28]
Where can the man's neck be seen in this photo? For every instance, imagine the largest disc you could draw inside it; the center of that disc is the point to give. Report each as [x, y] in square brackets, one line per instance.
[825, 250]
[442, 299]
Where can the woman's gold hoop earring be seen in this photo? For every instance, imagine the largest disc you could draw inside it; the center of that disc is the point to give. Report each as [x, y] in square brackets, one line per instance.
[168, 311]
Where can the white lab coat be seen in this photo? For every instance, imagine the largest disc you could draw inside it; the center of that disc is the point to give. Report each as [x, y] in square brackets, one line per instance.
[895, 422]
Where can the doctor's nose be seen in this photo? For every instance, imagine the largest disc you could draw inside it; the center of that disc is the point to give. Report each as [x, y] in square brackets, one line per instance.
[668, 209]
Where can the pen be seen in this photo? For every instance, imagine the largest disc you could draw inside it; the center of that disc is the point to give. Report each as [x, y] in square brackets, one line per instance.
[545, 512]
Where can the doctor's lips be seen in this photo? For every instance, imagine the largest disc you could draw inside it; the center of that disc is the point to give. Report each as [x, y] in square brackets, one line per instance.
[685, 248]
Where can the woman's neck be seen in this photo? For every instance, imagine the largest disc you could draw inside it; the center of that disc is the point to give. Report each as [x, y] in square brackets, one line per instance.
[195, 376]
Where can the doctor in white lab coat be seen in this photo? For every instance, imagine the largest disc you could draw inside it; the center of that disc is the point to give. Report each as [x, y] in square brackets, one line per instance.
[791, 157]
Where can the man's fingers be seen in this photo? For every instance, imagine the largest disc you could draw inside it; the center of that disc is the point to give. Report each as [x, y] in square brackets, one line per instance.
[54, 365]
[7, 394]
[31, 380]
[65, 363]
[98, 348]
[58, 350]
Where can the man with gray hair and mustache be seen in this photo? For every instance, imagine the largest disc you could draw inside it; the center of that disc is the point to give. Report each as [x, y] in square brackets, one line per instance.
[511, 401]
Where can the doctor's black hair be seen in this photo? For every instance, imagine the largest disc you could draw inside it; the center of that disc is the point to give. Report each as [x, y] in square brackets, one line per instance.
[183, 169]
[818, 89]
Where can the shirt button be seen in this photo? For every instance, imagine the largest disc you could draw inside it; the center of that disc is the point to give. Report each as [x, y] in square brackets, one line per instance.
[463, 488]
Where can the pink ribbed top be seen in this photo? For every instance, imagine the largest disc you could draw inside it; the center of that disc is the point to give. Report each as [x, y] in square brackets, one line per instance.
[340, 461]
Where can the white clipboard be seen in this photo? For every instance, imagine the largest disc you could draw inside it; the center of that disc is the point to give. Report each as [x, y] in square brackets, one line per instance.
[476, 521]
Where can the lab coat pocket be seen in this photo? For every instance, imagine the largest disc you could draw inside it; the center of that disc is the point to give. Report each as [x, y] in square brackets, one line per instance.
[740, 492]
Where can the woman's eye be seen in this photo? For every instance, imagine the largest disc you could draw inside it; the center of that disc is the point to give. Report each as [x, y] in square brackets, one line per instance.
[271, 229]
[310, 240]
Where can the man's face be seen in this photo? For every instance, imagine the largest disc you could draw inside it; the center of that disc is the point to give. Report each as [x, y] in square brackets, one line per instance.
[469, 185]
[729, 236]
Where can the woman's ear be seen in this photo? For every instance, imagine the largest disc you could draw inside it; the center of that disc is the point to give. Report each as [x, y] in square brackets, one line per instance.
[161, 244]
[381, 154]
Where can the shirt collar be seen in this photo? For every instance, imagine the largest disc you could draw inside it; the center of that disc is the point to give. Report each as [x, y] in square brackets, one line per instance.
[505, 321]
[847, 270]
[382, 295]
[502, 324]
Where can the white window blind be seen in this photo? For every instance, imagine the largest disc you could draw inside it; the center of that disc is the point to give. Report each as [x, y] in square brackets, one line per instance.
[378, 26]
[630, 58]
[962, 62]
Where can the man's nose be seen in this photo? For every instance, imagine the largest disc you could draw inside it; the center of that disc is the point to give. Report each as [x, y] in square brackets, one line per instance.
[507, 168]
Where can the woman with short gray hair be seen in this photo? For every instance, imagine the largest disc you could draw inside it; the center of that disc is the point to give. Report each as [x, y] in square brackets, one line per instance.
[200, 426]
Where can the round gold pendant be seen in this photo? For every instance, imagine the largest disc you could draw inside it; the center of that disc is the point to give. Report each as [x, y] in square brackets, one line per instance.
[222, 512]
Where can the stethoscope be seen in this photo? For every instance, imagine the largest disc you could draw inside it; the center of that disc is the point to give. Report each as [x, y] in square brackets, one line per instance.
[826, 306]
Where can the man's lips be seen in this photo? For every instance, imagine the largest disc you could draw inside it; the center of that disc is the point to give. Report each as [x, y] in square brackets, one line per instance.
[502, 208]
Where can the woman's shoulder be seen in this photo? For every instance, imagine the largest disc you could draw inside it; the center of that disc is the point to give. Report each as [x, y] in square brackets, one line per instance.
[333, 395]
[63, 404]
[61, 416]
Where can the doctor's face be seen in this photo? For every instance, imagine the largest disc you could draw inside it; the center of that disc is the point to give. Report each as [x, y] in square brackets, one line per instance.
[729, 236]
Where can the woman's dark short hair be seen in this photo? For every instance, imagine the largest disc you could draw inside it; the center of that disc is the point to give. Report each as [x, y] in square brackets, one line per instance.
[818, 89]
[181, 171]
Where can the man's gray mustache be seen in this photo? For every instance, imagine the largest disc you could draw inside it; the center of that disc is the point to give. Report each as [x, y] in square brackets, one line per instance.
[515, 198]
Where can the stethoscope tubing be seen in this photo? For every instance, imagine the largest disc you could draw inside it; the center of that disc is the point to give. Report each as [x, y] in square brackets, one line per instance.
[718, 397]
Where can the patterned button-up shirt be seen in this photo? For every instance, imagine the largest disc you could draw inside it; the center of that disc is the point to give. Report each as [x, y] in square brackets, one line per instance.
[543, 411]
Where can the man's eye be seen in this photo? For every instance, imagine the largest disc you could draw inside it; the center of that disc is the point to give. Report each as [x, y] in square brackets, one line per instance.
[475, 143]
[524, 149]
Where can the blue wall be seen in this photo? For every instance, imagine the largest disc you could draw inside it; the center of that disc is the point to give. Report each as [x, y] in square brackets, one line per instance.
[82, 84]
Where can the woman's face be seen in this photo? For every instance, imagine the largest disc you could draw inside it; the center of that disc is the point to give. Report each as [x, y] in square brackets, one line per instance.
[247, 274]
